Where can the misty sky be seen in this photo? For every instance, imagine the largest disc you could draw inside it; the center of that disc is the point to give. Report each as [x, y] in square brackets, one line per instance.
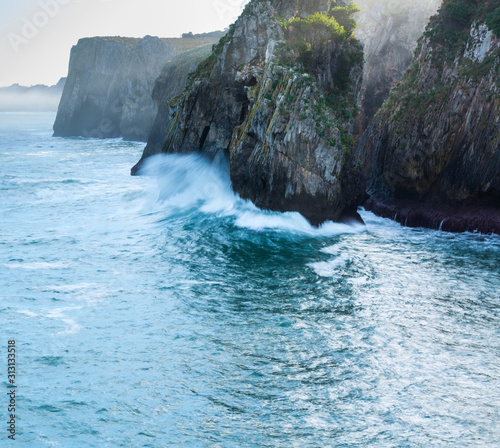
[37, 35]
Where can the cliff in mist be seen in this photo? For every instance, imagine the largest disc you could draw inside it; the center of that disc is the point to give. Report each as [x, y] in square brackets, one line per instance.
[277, 97]
[389, 31]
[169, 84]
[432, 154]
[110, 82]
[38, 98]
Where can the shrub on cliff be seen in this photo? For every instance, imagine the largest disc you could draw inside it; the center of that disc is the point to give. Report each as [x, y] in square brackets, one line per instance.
[449, 30]
[316, 28]
[343, 15]
[493, 21]
[306, 35]
[458, 12]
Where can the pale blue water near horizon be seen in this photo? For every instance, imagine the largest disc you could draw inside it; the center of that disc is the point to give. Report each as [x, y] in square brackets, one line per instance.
[166, 312]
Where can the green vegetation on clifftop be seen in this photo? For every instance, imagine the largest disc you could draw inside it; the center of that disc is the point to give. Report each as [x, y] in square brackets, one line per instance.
[307, 35]
[425, 87]
[493, 21]
[332, 107]
[449, 31]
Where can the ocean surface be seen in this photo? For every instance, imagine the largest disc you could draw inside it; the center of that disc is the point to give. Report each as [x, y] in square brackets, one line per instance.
[164, 311]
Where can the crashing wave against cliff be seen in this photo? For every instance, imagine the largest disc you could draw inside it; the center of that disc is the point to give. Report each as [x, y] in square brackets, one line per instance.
[278, 97]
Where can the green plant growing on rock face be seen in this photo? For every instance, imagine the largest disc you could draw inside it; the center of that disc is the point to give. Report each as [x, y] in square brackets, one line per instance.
[306, 53]
[448, 35]
[449, 31]
[458, 12]
[304, 35]
[343, 15]
[317, 27]
[334, 106]
[348, 59]
[206, 66]
[217, 48]
[493, 21]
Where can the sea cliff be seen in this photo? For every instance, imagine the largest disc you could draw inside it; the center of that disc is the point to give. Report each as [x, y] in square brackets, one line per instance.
[432, 154]
[110, 83]
[168, 85]
[389, 31]
[277, 97]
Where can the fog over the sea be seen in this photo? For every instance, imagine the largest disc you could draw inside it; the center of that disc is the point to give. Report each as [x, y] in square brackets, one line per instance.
[36, 36]
[37, 98]
[36, 101]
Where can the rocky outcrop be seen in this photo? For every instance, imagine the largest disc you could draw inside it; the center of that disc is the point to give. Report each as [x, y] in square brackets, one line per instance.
[109, 85]
[389, 31]
[280, 104]
[169, 84]
[432, 154]
[38, 98]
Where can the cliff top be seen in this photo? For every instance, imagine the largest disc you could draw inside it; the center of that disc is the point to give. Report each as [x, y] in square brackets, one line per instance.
[450, 28]
[187, 42]
[16, 88]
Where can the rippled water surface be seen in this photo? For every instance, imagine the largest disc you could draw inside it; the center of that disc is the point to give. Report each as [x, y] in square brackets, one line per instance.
[163, 311]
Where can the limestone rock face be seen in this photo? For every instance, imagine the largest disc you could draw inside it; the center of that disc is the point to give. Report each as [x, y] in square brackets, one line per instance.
[286, 131]
[109, 86]
[283, 156]
[389, 31]
[169, 84]
[432, 154]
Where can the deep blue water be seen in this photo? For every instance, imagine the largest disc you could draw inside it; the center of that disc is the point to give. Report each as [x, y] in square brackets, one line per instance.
[163, 311]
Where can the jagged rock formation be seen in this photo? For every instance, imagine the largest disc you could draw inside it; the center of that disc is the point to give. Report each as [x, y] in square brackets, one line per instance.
[38, 98]
[432, 154]
[286, 128]
[389, 31]
[169, 84]
[109, 85]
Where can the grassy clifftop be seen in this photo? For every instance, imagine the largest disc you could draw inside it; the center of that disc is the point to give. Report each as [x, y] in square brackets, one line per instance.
[187, 42]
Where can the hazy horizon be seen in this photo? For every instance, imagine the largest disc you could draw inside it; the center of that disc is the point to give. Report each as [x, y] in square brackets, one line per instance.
[37, 35]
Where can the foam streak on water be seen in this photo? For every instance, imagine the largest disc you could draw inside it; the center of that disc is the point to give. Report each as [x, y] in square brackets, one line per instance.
[164, 311]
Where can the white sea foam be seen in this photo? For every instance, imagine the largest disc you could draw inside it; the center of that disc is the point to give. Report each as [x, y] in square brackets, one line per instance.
[36, 265]
[28, 313]
[59, 314]
[193, 182]
[330, 268]
[411, 317]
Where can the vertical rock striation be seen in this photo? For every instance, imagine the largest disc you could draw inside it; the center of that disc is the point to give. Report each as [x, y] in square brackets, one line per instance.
[109, 85]
[280, 104]
[432, 154]
[169, 84]
[389, 31]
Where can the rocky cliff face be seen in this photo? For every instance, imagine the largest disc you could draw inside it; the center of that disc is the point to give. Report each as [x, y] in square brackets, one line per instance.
[169, 84]
[432, 154]
[389, 31]
[109, 86]
[279, 101]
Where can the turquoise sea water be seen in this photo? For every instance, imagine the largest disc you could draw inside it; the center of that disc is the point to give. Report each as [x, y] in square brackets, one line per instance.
[163, 311]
